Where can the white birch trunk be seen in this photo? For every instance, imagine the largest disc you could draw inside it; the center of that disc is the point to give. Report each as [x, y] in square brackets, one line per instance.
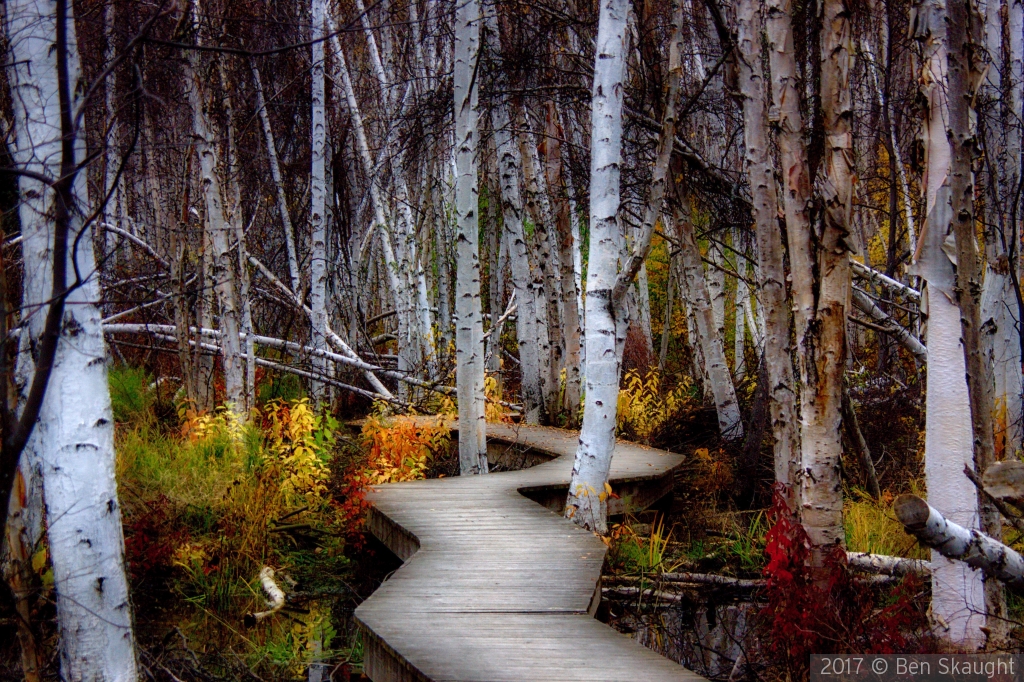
[275, 174]
[823, 344]
[908, 210]
[469, 331]
[741, 304]
[318, 199]
[531, 335]
[715, 278]
[568, 248]
[241, 267]
[587, 502]
[72, 445]
[715, 364]
[643, 304]
[953, 541]
[219, 229]
[819, 302]
[958, 600]
[404, 306]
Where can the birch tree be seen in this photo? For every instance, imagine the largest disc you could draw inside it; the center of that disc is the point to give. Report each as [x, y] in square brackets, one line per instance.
[71, 448]
[770, 267]
[469, 331]
[587, 503]
[530, 329]
[819, 267]
[222, 267]
[318, 195]
[958, 602]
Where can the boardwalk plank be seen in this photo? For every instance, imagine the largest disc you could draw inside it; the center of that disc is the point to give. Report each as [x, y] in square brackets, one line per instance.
[496, 587]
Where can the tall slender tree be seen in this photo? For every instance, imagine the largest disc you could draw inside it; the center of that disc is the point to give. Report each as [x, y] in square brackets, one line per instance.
[469, 330]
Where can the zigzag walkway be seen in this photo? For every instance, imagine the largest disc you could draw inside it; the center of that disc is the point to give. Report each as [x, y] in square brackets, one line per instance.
[497, 587]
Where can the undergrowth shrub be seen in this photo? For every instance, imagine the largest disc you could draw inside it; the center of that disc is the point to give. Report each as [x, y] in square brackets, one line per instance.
[211, 502]
[494, 411]
[394, 449]
[206, 502]
[871, 526]
[642, 408]
[636, 553]
[826, 610]
[400, 448]
[130, 395]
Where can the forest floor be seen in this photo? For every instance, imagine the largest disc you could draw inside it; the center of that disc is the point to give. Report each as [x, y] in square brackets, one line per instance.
[209, 500]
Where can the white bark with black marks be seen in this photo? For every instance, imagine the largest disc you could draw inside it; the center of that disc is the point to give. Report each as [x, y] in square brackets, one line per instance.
[71, 448]
[469, 330]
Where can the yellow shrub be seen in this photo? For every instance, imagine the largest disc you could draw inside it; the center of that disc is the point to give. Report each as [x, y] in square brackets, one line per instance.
[872, 526]
[300, 441]
[642, 409]
[400, 448]
[494, 411]
[201, 425]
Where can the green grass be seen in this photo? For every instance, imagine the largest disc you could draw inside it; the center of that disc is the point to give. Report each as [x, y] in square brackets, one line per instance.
[130, 394]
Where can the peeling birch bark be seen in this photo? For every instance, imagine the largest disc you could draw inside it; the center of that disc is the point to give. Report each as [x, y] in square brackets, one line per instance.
[953, 541]
[469, 330]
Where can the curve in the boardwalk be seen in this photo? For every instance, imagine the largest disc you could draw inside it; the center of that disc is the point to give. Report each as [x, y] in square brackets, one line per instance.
[496, 587]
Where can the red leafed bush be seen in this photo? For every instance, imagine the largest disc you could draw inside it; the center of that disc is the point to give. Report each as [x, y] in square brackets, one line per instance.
[826, 610]
[151, 536]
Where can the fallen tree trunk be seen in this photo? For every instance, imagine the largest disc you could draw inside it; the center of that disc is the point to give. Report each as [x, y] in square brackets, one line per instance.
[882, 280]
[891, 326]
[968, 545]
[275, 594]
[164, 332]
[214, 349]
[882, 564]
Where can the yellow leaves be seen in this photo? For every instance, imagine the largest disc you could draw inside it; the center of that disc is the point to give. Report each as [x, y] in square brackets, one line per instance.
[200, 425]
[300, 441]
[493, 411]
[642, 410]
[190, 555]
[401, 448]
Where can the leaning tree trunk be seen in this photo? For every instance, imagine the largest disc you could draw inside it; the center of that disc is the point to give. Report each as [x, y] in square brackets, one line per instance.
[958, 601]
[587, 502]
[275, 174]
[730, 423]
[73, 440]
[771, 271]
[469, 330]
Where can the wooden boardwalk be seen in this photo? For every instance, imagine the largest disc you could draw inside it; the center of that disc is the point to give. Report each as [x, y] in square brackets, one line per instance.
[497, 587]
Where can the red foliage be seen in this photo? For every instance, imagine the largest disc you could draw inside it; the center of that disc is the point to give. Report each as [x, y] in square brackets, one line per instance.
[825, 610]
[352, 509]
[150, 538]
